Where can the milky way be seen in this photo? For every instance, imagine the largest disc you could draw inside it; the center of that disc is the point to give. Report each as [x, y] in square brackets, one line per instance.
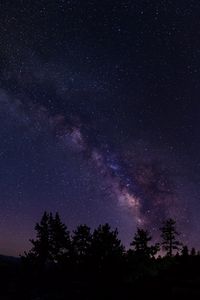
[140, 190]
[99, 116]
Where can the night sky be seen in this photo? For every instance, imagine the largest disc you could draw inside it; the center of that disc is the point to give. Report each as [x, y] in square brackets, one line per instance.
[99, 116]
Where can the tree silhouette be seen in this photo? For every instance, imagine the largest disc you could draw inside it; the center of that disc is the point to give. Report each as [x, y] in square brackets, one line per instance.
[59, 238]
[193, 252]
[185, 251]
[105, 247]
[169, 236]
[40, 251]
[81, 242]
[52, 241]
[140, 243]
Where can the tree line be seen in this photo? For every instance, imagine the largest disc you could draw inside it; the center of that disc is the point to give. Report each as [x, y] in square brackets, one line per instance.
[55, 244]
[94, 264]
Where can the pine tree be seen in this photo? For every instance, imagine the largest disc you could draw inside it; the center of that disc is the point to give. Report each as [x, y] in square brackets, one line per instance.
[59, 238]
[40, 251]
[141, 241]
[185, 251]
[169, 236]
[52, 241]
[193, 252]
[81, 242]
[106, 247]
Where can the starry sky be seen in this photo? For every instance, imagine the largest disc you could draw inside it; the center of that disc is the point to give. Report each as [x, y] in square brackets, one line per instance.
[99, 116]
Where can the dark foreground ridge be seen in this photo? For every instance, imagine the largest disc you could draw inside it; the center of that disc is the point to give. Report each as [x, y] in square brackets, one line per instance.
[95, 265]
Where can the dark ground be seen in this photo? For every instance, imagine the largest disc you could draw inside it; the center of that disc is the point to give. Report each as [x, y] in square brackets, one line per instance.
[163, 278]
